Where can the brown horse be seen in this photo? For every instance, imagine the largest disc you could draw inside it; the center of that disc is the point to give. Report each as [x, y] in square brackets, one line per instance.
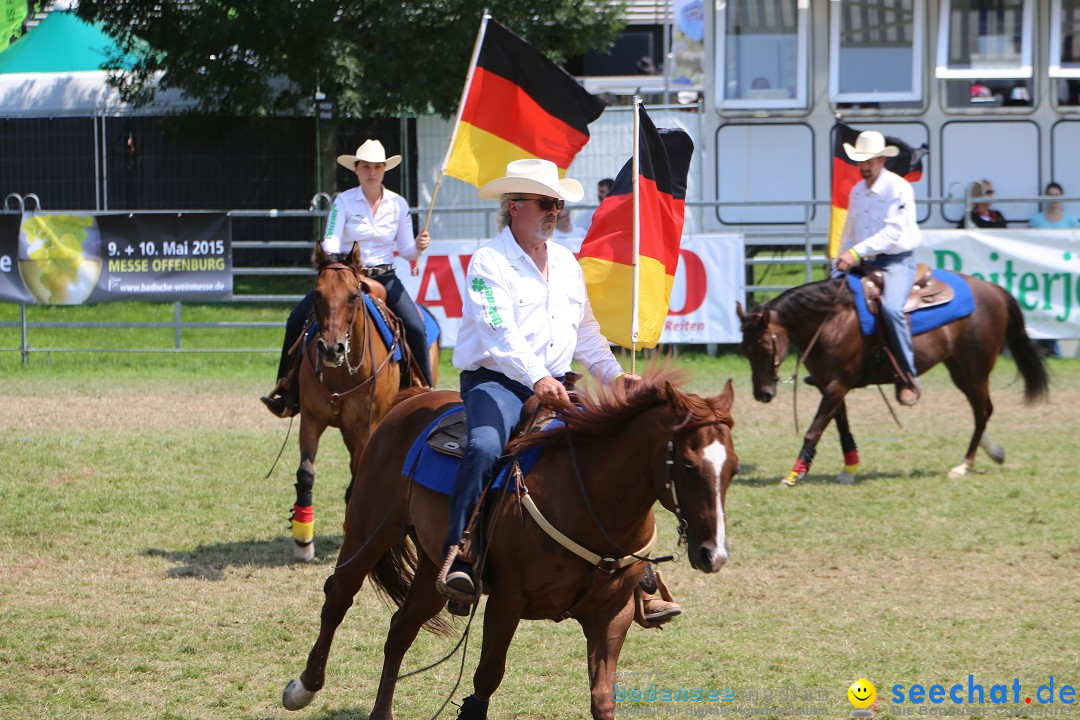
[347, 377]
[631, 448]
[842, 358]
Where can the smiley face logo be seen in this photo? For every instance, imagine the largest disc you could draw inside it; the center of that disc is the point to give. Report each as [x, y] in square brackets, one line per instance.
[862, 693]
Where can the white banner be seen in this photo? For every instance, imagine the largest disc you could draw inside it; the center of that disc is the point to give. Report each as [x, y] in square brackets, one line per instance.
[709, 280]
[1040, 268]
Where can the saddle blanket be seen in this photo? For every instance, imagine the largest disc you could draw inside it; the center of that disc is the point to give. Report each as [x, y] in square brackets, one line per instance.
[431, 326]
[437, 471]
[923, 319]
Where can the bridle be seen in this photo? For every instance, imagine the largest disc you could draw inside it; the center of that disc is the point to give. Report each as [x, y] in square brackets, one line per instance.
[367, 350]
[670, 477]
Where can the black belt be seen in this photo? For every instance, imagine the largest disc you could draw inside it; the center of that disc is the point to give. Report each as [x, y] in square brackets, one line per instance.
[374, 270]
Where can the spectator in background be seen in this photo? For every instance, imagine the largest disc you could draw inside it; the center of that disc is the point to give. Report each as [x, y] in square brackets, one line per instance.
[566, 233]
[1054, 216]
[584, 221]
[982, 215]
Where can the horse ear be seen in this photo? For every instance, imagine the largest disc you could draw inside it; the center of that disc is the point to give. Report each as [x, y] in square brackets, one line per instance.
[739, 311]
[728, 396]
[354, 256]
[676, 401]
[320, 255]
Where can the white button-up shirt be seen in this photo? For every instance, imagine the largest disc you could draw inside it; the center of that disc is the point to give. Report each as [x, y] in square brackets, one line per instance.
[351, 221]
[881, 220]
[523, 326]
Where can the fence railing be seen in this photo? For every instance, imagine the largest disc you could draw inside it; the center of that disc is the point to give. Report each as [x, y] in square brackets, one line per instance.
[794, 245]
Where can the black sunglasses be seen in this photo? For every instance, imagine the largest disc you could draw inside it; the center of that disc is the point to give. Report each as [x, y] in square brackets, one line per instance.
[544, 203]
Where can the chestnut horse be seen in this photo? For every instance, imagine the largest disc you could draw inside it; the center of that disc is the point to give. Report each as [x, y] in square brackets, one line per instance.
[843, 358]
[347, 377]
[626, 450]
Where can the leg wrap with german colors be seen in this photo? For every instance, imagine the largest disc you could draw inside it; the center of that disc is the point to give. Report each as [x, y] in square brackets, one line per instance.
[851, 454]
[802, 466]
[303, 524]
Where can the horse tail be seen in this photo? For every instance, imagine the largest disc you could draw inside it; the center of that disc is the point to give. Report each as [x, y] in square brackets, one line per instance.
[393, 578]
[1029, 360]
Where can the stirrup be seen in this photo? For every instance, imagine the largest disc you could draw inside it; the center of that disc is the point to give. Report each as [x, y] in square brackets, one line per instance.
[445, 582]
[651, 611]
[279, 405]
[913, 387]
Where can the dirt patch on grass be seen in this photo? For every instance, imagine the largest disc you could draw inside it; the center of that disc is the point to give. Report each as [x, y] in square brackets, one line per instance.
[133, 412]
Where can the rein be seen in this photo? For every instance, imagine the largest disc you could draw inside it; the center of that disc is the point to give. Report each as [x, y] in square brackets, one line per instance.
[669, 484]
[367, 350]
[805, 353]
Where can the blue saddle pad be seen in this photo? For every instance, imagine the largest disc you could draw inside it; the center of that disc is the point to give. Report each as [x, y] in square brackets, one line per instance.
[922, 319]
[437, 471]
[431, 327]
[384, 330]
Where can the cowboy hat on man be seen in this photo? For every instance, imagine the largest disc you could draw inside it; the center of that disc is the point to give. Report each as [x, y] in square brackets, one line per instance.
[540, 177]
[870, 144]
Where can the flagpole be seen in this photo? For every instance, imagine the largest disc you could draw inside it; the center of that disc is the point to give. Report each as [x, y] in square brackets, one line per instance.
[457, 120]
[635, 258]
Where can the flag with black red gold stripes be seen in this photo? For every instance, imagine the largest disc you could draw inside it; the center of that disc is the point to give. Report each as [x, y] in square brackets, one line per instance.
[516, 104]
[845, 175]
[629, 280]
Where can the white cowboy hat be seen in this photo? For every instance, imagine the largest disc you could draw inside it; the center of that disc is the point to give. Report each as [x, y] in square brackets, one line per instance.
[870, 144]
[540, 177]
[371, 151]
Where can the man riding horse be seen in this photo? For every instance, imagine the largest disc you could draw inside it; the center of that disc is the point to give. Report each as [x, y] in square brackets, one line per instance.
[526, 317]
[882, 231]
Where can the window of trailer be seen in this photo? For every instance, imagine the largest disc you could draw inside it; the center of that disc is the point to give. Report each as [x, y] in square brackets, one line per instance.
[1064, 65]
[876, 51]
[762, 54]
[985, 53]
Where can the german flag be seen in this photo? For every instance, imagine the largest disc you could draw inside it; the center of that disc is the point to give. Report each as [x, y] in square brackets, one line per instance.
[517, 104]
[607, 253]
[845, 175]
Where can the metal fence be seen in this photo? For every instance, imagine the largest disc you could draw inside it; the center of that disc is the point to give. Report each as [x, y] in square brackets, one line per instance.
[794, 246]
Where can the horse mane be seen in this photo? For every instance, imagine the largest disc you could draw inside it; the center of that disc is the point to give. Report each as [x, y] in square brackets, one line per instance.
[407, 393]
[609, 411]
[817, 297]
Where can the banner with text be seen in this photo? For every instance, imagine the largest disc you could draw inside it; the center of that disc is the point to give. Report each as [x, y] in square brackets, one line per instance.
[708, 282]
[75, 258]
[1040, 268]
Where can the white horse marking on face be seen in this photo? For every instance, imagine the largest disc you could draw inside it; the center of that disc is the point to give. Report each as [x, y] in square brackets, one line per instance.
[717, 454]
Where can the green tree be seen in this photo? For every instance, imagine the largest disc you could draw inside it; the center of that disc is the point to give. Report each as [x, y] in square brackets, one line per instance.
[371, 57]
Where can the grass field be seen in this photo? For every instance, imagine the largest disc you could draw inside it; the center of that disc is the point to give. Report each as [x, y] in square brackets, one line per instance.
[145, 564]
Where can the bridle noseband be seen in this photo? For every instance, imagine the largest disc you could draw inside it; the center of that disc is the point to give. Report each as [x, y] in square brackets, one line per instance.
[352, 318]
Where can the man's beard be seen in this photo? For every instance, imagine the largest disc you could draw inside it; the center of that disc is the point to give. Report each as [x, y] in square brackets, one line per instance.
[544, 233]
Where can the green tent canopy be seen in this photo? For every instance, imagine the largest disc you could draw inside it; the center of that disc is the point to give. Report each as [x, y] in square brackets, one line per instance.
[61, 43]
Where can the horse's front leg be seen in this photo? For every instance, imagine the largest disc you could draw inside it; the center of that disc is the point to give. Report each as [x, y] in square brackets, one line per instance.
[501, 618]
[303, 520]
[832, 400]
[421, 604]
[604, 637]
[847, 445]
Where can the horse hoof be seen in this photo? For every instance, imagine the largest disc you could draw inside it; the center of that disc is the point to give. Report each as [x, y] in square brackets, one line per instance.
[845, 478]
[997, 454]
[296, 696]
[959, 471]
[304, 553]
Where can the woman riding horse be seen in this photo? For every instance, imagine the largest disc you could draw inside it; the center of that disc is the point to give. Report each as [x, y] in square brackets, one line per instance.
[377, 219]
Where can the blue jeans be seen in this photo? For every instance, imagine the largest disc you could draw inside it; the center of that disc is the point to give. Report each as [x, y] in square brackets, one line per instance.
[899, 272]
[492, 409]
